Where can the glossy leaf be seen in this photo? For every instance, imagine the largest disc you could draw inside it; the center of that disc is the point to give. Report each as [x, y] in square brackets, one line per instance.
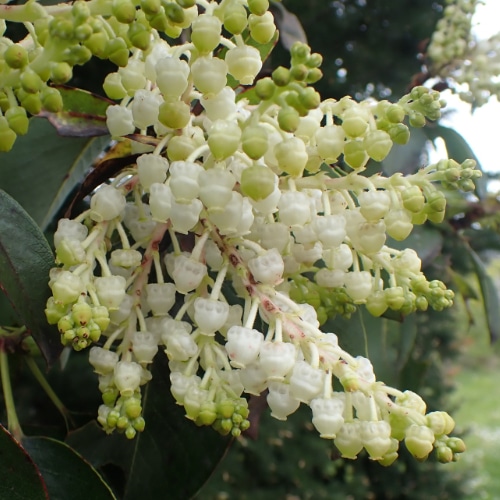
[20, 478]
[25, 261]
[289, 26]
[66, 474]
[172, 457]
[42, 183]
[491, 301]
[83, 114]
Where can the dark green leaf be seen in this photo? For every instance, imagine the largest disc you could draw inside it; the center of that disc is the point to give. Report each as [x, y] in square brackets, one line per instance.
[20, 478]
[66, 474]
[83, 114]
[490, 295]
[25, 261]
[171, 459]
[406, 159]
[289, 26]
[459, 150]
[41, 179]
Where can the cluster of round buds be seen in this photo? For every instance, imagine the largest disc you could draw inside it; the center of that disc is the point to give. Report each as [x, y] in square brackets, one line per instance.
[238, 208]
[453, 55]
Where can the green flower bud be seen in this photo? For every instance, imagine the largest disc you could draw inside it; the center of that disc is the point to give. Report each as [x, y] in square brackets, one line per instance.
[257, 182]
[456, 445]
[223, 139]
[32, 103]
[100, 316]
[354, 154]
[51, 100]
[395, 297]
[180, 147]
[206, 32]
[117, 51]
[309, 98]
[235, 19]
[254, 141]
[17, 119]
[61, 28]
[31, 82]
[208, 413]
[378, 144]
[258, 7]
[109, 396]
[292, 156]
[416, 119]
[175, 114]
[80, 11]
[151, 7]
[186, 4]
[444, 454]
[299, 72]
[436, 202]
[139, 424]
[288, 119]
[16, 56]
[354, 123]
[281, 76]
[113, 86]
[399, 133]
[376, 303]
[132, 407]
[413, 199]
[175, 13]
[300, 52]
[81, 313]
[262, 28]
[159, 22]
[77, 55]
[264, 88]
[419, 440]
[54, 311]
[97, 44]
[123, 10]
[395, 113]
[7, 135]
[314, 60]
[314, 75]
[225, 408]
[139, 35]
[60, 72]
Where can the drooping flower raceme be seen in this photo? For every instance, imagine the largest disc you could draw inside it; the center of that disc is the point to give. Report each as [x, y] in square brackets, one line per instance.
[242, 212]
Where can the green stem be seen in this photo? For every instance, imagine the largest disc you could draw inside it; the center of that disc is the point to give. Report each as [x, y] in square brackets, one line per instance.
[12, 421]
[49, 391]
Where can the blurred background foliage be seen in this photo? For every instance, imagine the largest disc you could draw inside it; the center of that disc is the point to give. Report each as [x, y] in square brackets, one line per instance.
[377, 49]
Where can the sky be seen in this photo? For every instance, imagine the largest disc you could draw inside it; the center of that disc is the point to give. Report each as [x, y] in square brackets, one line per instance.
[480, 129]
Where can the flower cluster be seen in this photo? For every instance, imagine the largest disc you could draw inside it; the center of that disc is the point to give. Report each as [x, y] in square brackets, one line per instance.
[229, 243]
[473, 65]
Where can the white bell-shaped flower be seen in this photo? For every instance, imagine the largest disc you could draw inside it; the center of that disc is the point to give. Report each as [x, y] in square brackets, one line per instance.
[216, 187]
[294, 208]
[68, 229]
[179, 344]
[244, 63]
[374, 205]
[243, 345]
[246, 219]
[275, 235]
[224, 138]
[67, 287]
[159, 50]
[117, 316]
[376, 437]
[110, 290]
[160, 201]
[127, 377]
[330, 278]
[210, 314]
[172, 76]
[227, 221]
[307, 254]
[206, 32]
[144, 346]
[253, 379]
[103, 360]
[267, 268]
[327, 416]
[407, 262]
[277, 359]
[330, 229]
[193, 399]
[160, 297]
[185, 216]
[106, 204]
[358, 285]
[330, 142]
[364, 369]
[232, 379]
[280, 400]
[119, 120]
[139, 223]
[348, 440]
[187, 273]
[151, 168]
[180, 383]
[209, 75]
[184, 180]
[398, 224]
[268, 205]
[339, 258]
[221, 106]
[145, 108]
[126, 258]
[306, 382]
